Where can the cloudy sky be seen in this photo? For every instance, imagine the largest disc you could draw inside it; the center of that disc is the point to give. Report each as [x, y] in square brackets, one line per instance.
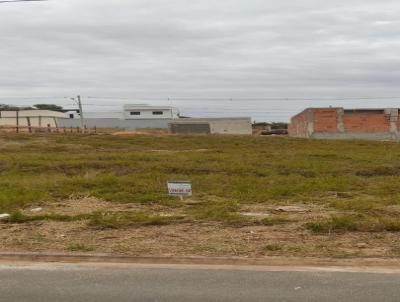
[262, 58]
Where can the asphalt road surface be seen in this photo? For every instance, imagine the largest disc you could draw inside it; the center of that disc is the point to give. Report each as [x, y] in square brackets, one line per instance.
[53, 283]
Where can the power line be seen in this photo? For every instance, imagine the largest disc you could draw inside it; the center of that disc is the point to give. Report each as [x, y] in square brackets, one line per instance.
[246, 98]
[7, 1]
[33, 98]
[227, 99]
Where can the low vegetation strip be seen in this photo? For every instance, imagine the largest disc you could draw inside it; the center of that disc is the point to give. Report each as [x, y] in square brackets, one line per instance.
[98, 219]
[359, 223]
[349, 189]
[119, 220]
[18, 217]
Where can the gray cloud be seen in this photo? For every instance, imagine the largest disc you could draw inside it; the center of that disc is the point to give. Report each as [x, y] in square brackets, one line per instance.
[203, 49]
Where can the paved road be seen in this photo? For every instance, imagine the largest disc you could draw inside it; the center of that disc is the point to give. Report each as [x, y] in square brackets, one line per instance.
[46, 282]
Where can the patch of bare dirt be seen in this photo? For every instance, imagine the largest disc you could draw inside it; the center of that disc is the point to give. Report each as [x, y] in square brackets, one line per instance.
[91, 204]
[311, 211]
[79, 206]
[194, 239]
[191, 238]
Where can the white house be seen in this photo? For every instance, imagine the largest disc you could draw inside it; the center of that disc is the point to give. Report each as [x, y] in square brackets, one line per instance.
[142, 112]
[132, 116]
[133, 112]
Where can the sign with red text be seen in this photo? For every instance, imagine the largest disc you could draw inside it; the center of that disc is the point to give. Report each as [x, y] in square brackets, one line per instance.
[180, 188]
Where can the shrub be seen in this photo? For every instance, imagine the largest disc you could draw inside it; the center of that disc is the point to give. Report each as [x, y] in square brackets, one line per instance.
[333, 224]
[80, 247]
[273, 247]
[14, 196]
[351, 223]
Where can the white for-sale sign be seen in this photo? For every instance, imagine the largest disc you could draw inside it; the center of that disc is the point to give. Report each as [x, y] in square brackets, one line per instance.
[180, 188]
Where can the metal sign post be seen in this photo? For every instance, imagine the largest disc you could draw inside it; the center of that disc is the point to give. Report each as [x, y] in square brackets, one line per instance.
[180, 188]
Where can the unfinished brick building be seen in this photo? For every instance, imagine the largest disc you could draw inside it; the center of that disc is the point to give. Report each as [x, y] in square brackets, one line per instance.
[339, 123]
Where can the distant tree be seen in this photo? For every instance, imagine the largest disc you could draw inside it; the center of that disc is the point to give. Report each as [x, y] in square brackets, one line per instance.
[273, 126]
[279, 125]
[5, 107]
[51, 107]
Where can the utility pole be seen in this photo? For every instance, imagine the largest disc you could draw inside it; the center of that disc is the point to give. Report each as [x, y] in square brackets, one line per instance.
[78, 101]
[81, 112]
[17, 119]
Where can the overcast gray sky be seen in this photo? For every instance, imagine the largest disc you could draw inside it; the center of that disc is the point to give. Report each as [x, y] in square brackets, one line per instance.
[241, 49]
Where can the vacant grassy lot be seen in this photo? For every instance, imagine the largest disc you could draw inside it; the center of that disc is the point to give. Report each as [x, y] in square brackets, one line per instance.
[107, 193]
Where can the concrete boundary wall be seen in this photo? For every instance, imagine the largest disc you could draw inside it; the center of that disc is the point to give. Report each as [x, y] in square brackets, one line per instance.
[340, 123]
[117, 123]
[216, 125]
[241, 126]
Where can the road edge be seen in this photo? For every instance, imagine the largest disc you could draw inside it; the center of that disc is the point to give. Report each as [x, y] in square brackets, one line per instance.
[273, 261]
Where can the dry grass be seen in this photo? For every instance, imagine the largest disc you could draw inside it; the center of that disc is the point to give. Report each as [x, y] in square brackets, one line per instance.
[119, 185]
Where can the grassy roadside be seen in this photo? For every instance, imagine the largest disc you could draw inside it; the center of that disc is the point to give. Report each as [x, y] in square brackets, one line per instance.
[349, 187]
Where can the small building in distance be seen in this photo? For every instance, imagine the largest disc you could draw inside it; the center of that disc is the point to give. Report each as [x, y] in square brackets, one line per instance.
[143, 112]
[135, 116]
[31, 118]
[235, 125]
[340, 123]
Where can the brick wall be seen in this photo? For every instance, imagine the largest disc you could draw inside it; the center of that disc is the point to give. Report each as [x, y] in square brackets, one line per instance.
[298, 125]
[398, 121]
[366, 122]
[340, 123]
[325, 120]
